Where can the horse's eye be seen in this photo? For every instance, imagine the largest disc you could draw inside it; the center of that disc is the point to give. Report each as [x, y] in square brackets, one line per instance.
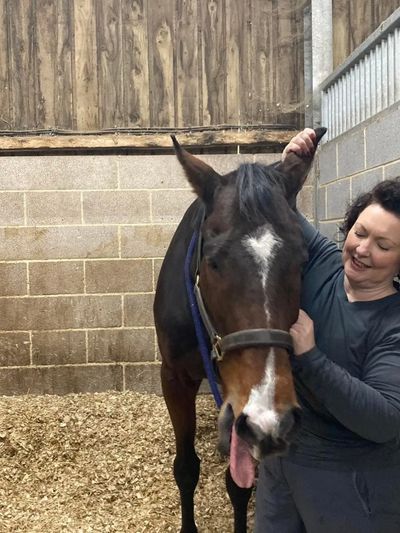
[212, 233]
[212, 263]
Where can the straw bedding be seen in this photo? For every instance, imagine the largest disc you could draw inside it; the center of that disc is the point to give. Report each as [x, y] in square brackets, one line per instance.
[102, 463]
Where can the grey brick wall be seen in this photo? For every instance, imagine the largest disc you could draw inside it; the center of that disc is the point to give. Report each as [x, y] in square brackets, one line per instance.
[82, 240]
[353, 163]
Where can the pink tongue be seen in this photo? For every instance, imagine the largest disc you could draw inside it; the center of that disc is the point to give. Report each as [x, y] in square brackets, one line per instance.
[241, 462]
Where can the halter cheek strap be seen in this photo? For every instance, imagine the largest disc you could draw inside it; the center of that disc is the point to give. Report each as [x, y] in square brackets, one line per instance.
[199, 324]
[247, 338]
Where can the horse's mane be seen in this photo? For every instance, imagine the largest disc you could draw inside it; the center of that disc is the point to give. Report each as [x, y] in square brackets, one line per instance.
[259, 193]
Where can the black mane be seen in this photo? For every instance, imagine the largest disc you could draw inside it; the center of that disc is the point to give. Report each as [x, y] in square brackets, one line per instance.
[259, 193]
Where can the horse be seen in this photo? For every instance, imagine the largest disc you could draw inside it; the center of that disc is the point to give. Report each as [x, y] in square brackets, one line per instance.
[248, 272]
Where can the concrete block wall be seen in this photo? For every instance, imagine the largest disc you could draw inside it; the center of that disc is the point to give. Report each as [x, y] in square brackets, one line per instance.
[353, 163]
[81, 243]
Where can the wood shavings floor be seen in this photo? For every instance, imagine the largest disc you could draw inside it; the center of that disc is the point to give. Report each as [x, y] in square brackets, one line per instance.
[103, 463]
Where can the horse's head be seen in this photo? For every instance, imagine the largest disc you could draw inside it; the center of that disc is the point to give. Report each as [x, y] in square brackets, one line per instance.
[250, 272]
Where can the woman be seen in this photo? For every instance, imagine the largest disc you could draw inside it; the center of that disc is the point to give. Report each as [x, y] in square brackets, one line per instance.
[342, 473]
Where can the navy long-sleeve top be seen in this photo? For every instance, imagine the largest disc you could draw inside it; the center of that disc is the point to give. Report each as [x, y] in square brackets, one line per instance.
[349, 384]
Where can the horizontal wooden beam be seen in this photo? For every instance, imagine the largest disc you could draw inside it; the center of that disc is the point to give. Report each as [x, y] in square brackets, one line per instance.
[144, 141]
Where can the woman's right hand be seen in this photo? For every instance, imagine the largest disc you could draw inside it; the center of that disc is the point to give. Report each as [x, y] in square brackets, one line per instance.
[301, 144]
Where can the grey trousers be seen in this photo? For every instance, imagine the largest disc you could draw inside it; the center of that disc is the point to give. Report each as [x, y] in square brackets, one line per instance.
[299, 499]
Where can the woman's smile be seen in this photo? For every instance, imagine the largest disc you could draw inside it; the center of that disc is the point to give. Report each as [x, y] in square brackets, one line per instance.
[359, 265]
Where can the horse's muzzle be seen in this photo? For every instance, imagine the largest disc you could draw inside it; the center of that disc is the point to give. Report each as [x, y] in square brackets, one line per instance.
[262, 444]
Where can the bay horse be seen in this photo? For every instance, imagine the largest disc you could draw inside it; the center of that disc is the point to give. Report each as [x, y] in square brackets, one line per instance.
[249, 272]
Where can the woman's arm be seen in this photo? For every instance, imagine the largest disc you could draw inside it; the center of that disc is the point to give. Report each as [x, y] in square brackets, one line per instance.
[319, 247]
[369, 407]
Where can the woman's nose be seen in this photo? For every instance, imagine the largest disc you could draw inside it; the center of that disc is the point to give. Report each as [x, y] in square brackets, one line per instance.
[363, 248]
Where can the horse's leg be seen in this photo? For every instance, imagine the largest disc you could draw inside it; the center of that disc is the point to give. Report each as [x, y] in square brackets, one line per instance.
[239, 498]
[181, 402]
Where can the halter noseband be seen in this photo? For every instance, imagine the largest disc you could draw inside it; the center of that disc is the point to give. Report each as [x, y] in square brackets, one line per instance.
[246, 338]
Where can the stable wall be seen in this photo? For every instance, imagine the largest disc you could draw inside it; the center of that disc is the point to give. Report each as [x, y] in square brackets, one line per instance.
[81, 242]
[354, 162]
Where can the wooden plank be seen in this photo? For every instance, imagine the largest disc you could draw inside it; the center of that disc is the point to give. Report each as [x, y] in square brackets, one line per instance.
[235, 21]
[5, 116]
[109, 49]
[246, 54]
[298, 60]
[265, 57]
[22, 63]
[271, 138]
[46, 56]
[382, 10]
[64, 77]
[85, 64]
[240, 27]
[135, 63]
[274, 58]
[341, 31]
[93, 55]
[212, 19]
[360, 21]
[161, 63]
[186, 54]
[354, 20]
[285, 64]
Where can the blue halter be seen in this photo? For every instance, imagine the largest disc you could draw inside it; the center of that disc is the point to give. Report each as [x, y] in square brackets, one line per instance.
[204, 346]
[217, 346]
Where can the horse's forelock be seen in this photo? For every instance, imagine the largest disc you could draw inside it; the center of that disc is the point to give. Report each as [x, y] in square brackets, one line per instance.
[259, 194]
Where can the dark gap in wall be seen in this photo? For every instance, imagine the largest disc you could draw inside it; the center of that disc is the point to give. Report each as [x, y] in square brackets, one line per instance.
[253, 149]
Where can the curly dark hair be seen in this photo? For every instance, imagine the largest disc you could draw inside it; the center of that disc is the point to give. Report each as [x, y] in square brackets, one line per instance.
[386, 194]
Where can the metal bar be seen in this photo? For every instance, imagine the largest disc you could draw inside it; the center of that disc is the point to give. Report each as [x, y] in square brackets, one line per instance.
[391, 69]
[363, 102]
[367, 82]
[322, 56]
[397, 64]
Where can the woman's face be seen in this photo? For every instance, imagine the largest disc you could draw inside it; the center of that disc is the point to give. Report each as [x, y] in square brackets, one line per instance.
[371, 252]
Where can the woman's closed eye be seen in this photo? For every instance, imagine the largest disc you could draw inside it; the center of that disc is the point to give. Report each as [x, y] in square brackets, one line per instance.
[359, 234]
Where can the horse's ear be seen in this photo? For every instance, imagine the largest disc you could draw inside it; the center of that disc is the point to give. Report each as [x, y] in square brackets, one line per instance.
[202, 177]
[295, 169]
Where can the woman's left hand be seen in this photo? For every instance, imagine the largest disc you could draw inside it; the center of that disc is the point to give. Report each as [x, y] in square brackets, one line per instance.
[302, 332]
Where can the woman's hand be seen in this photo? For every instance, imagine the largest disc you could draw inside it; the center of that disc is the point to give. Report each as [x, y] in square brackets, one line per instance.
[301, 144]
[302, 333]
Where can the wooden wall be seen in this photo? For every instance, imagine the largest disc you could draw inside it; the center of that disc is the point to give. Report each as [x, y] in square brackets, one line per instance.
[92, 65]
[89, 65]
[354, 20]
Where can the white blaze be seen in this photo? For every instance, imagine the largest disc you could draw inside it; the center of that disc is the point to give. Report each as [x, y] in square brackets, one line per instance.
[263, 251]
[260, 407]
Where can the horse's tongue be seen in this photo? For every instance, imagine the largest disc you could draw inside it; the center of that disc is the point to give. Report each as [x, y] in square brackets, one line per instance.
[241, 462]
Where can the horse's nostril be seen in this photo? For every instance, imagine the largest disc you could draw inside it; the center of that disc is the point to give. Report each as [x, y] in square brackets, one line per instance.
[246, 430]
[241, 424]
